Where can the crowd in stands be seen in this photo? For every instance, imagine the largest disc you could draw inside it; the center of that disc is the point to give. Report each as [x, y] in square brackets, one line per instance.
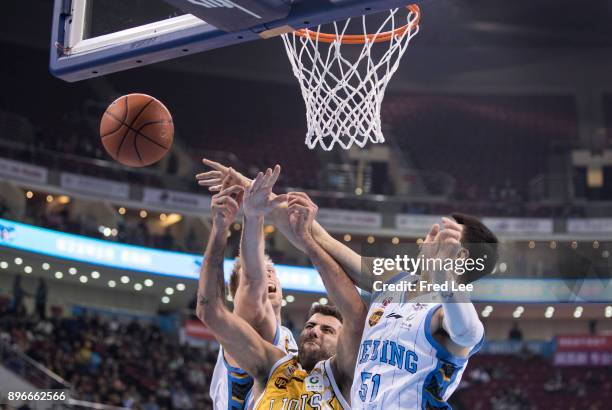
[131, 365]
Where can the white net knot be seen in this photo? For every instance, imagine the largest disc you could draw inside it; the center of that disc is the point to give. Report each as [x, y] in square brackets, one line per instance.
[344, 93]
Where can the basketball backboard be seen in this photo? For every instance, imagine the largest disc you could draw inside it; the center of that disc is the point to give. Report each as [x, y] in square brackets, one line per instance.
[91, 38]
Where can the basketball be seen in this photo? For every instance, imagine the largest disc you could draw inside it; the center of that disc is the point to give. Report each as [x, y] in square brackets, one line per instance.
[137, 130]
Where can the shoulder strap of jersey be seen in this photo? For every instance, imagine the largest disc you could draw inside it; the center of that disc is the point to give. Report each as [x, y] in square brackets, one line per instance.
[332, 380]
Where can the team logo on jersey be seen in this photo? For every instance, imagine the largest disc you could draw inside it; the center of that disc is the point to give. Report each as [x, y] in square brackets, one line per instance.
[281, 383]
[314, 382]
[419, 306]
[290, 370]
[286, 343]
[387, 301]
[394, 315]
[375, 317]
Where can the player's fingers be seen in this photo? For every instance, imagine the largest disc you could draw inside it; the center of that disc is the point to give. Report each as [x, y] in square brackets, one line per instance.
[210, 182]
[449, 234]
[273, 176]
[234, 189]
[433, 231]
[278, 201]
[214, 165]
[257, 182]
[232, 204]
[450, 224]
[281, 198]
[215, 188]
[209, 174]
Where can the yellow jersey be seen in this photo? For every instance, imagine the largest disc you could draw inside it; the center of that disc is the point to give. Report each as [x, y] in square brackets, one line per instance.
[290, 387]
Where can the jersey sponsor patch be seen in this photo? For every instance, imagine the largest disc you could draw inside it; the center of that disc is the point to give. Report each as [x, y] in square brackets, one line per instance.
[375, 317]
[281, 383]
[314, 382]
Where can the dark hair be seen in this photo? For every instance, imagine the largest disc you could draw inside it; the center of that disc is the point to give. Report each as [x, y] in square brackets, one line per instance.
[480, 243]
[327, 310]
[235, 276]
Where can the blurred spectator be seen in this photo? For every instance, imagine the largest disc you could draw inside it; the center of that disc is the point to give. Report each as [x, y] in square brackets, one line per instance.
[515, 333]
[41, 299]
[18, 295]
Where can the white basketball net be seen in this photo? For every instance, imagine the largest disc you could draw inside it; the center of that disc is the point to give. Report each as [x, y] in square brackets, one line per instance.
[343, 96]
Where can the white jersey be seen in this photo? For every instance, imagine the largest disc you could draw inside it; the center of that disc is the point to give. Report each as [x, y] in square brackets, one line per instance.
[400, 365]
[230, 386]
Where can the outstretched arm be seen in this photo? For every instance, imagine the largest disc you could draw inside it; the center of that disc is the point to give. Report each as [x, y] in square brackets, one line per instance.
[237, 337]
[350, 260]
[339, 286]
[458, 317]
[251, 301]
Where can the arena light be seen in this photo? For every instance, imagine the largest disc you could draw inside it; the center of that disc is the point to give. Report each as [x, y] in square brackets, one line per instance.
[49, 198]
[143, 214]
[83, 279]
[531, 244]
[46, 266]
[18, 261]
[550, 311]
[169, 291]
[165, 299]
[229, 298]
[180, 287]
[237, 226]
[137, 287]
[395, 240]
[486, 312]
[290, 298]
[358, 191]
[163, 217]
[59, 275]
[3, 265]
[605, 254]
[95, 274]
[29, 194]
[608, 311]
[173, 219]
[503, 267]
[27, 269]
[518, 312]
[72, 271]
[578, 312]
[347, 238]
[371, 239]
[63, 199]
[284, 302]
[553, 245]
[148, 283]
[121, 211]
[112, 283]
[323, 301]
[595, 244]
[125, 279]
[574, 245]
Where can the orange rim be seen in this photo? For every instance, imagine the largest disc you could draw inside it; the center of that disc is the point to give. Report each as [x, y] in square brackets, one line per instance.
[362, 38]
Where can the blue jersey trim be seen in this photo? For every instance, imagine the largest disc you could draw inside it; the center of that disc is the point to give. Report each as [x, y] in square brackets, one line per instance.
[441, 351]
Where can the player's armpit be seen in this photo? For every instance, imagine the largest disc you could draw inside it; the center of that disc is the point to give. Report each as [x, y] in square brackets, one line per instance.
[250, 351]
[458, 335]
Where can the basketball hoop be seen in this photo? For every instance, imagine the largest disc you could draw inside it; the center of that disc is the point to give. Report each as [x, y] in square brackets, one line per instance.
[343, 96]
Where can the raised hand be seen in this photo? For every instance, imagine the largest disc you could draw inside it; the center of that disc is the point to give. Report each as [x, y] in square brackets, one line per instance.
[258, 197]
[302, 212]
[224, 208]
[221, 177]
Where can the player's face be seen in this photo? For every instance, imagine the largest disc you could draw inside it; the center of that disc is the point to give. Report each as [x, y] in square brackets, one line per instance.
[275, 292]
[318, 339]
